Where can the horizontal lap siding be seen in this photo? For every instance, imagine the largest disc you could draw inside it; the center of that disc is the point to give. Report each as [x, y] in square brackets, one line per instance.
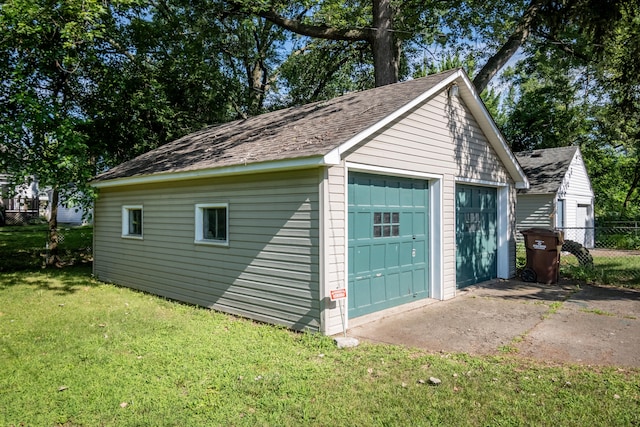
[269, 271]
[534, 210]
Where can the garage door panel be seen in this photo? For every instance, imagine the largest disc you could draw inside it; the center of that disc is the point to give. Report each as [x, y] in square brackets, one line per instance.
[394, 231]
[359, 295]
[392, 255]
[393, 285]
[362, 259]
[476, 234]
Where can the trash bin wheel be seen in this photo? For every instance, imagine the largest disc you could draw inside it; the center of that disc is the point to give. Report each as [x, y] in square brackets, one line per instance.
[529, 275]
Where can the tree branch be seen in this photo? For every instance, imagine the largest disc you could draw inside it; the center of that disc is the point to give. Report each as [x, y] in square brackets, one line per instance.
[511, 46]
[318, 31]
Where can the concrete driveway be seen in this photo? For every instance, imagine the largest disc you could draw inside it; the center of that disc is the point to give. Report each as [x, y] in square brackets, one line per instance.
[558, 323]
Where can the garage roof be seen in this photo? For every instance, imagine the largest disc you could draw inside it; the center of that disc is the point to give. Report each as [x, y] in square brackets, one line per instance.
[546, 168]
[312, 134]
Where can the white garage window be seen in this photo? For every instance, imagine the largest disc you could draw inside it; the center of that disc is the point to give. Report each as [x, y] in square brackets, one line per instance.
[132, 221]
[212, 223]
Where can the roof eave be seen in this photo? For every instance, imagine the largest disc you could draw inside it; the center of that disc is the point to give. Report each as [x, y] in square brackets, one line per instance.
[487, 124]
[156, 178]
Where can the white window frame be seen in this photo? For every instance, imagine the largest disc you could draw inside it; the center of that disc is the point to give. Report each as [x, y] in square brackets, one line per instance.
[199, 225]
[126, 213]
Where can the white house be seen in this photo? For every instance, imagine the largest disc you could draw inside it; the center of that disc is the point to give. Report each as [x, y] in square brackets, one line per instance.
[560, 194]
[390, 197]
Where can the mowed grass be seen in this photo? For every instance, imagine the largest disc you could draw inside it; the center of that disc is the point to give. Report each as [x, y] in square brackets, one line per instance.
[24, 247]
[616, 270]
[77, 352]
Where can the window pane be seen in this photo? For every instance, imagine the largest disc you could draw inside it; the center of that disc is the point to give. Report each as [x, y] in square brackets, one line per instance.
[395, 217]
[215, 224]
[135, 222]
[387, 218]
[377, 231]
[377, 217]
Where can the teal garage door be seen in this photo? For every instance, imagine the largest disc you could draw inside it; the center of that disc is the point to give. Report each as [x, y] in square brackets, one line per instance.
[388, 242]
[476, 234]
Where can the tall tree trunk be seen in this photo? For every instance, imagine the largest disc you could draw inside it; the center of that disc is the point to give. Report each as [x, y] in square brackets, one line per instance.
[53, 258]
[383, 44]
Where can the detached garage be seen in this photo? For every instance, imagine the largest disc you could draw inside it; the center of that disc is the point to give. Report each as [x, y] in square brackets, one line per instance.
[395, 195]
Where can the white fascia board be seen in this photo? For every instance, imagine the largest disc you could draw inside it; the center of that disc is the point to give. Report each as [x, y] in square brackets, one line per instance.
[276, 166]
[484, 119]
[358, 167]
[334, 156]
[482, 182]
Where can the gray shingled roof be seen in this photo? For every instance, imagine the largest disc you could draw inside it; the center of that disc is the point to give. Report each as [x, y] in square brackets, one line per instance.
[545, 168]
[298, 132]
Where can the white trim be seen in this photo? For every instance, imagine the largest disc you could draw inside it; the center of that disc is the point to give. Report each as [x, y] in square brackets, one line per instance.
[502, 263]
[126, 211]
[346, 244]
[480, 182]
[275, 166]
[436, 239]
[337, 152]
[381, 170]
[199, 224]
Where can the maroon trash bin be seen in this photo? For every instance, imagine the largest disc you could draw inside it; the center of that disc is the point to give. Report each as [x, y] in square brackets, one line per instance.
[543, 247]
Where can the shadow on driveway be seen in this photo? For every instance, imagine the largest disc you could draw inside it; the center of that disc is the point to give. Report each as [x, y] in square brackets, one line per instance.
[559, 323]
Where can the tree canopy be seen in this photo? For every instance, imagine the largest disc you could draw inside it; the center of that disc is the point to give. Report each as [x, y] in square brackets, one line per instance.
[88, 84]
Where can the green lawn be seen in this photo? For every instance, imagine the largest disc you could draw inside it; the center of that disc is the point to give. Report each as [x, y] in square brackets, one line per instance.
[76, 352]
[614, 268]
[24, 247]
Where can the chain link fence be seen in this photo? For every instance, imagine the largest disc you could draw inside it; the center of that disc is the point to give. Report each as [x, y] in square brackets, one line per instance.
[608, 253]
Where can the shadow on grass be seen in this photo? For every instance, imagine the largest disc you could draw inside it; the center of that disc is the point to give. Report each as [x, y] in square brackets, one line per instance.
[61, 281]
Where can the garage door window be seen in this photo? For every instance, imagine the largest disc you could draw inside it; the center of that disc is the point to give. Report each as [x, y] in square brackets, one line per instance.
[386, 224]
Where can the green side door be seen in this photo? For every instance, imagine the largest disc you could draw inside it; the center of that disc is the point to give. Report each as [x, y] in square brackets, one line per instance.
[388, 242]
[476, 234]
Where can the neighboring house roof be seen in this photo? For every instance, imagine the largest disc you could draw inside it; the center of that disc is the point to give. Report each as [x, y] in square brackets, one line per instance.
[312, 134]
[546, 168]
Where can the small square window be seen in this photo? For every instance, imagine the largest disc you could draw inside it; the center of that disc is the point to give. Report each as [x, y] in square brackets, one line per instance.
[386, 224]
[212, 224]
[132, 220]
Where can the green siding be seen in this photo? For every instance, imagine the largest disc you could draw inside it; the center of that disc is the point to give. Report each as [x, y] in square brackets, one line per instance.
[269, 271]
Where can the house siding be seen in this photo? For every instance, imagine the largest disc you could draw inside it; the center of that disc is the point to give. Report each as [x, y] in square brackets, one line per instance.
[535, 210]
[270, 269]
[442, 138]
[576, 191]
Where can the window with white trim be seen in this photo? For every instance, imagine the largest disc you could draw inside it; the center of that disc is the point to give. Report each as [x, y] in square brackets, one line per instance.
[132, 221]
[212, 223]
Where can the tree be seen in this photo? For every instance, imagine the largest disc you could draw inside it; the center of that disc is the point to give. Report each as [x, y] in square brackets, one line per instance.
[43, 48]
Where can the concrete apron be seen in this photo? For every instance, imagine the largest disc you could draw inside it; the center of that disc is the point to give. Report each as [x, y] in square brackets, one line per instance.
[557, 323]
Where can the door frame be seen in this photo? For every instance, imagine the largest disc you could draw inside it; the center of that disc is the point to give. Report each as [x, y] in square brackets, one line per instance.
[502, 190]
[434, 227]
